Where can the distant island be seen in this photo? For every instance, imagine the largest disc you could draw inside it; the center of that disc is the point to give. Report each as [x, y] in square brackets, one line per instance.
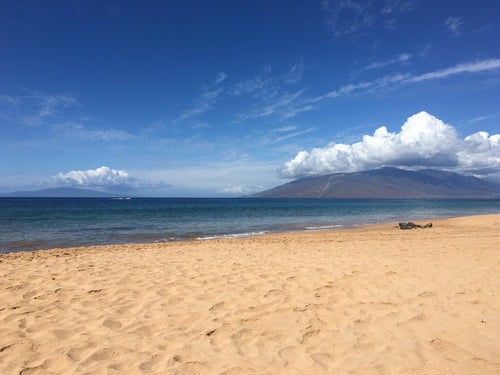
[386, 183]
[64, 192]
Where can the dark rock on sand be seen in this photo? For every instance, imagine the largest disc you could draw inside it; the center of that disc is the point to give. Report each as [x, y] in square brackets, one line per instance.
[410, 225]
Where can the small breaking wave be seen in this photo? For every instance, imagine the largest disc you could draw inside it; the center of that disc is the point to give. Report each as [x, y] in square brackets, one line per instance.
[234, 235]
[325, 227]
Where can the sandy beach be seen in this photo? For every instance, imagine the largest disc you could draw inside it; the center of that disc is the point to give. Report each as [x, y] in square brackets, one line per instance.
[372, 300]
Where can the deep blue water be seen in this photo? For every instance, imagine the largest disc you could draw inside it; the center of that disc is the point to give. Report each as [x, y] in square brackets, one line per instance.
[41, 223]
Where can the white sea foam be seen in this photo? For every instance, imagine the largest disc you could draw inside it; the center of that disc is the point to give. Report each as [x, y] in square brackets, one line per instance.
[234, 235]
[325, 227]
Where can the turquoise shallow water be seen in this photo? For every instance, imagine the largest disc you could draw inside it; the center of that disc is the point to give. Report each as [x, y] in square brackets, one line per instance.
[28, 224]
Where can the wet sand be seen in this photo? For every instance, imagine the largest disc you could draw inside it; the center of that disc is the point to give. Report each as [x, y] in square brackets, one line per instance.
[373, 300]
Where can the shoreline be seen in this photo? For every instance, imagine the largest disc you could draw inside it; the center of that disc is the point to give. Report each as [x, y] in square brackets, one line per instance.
[373, 299]
[66, 223]
[333, 227]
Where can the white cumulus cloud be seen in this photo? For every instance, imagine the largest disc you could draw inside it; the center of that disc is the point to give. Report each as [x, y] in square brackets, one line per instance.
[100, 177]
[480, 152]
[424, 141]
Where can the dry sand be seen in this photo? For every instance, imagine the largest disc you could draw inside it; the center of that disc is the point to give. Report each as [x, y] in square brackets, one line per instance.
[361, 301]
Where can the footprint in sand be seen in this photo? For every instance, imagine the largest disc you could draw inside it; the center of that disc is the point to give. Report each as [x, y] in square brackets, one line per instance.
[63, 334]
[175, 300]
[108, 353]
[427, 294]
[308, 335]
[455, 353]
[20, 346]
[153, 361]
[217, 307]
[324, 360]
[112, 324]
[273, 293]
[77, 353]
[194, 368]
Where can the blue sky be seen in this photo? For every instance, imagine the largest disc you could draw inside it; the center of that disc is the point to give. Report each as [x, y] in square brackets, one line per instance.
[177, 98]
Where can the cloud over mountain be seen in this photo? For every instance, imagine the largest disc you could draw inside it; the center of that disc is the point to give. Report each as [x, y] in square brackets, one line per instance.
[424, 141]
[101, 177]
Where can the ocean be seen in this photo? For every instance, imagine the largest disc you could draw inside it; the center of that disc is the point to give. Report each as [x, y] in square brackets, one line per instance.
[28, 224]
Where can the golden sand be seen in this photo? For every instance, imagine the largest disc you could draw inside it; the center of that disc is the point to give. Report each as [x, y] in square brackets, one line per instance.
[375, 300]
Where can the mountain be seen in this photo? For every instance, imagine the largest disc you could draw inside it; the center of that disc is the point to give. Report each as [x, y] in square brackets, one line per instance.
[60, 193]
[386, 183]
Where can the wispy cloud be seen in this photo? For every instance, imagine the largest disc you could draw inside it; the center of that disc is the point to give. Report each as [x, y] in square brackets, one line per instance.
[57, 114]
[48, 104]
[80, 131]
[393, 9]
[294, 134]
[398, 59]
[350, 17]
[278, 94]
[256, 86]
[268, 139]
[271, 92]
[482, 118]
[268, 84]
[9, 101]
[453, 24]
[472, 67]
[286, 105]
[401, 79]
[285, 128]
[35, 108]
[294, 73]
[347, 17]
[206, 100]
[220, 77]
[274, 93]
[367, 86]
[424, 51]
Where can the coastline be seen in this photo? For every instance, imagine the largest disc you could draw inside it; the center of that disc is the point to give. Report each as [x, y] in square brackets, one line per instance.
[372, 299]
[35, 224]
